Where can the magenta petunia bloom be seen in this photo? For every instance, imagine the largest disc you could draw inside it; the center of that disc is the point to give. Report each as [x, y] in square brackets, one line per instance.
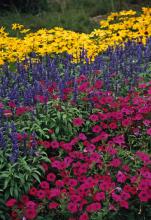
[94, 207]
[78, 121]
[51, 177]
[11, 202]
[149, 131]
[30, 213]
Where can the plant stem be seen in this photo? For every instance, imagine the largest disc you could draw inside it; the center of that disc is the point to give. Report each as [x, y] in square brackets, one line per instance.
[112, 5]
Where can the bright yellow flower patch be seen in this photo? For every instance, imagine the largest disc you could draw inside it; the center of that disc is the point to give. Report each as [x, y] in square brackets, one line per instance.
[116, 29]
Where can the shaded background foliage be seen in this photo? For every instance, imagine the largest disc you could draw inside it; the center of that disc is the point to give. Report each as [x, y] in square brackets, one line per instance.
[75, 15]
[95, 6]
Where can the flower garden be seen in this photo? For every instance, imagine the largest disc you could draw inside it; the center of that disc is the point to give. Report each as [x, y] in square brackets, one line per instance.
[75, 121]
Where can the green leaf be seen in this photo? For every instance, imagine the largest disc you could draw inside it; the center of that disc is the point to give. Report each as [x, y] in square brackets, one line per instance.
[36, 177]
[11, 191]
[6, 183]
[57, 130]
[16, 191]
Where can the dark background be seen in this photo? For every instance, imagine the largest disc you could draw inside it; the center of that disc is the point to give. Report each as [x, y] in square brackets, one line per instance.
[71, 14]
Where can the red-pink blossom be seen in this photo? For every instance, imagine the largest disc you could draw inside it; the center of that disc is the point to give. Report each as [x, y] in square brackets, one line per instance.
[94, 207]
[51, 177]
[78, 121]
[84, 216]
[30, 214]
[11, 202]
[53, 205]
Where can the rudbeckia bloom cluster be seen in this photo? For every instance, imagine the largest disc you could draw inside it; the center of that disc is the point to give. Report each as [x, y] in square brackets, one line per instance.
[117, 28]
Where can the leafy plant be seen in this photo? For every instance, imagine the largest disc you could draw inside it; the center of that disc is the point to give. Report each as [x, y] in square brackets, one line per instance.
[17, 178]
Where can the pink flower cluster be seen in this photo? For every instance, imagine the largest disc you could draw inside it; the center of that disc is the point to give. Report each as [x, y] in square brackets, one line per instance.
[108, 165]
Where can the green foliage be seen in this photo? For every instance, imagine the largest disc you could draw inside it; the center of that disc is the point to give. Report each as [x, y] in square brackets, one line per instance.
[70, 14]
[136, 213]
[3, 209]
[52, 118]
[24, 5]
[17, 178]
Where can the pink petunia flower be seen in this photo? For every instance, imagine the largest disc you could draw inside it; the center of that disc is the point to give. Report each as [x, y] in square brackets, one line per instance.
[149, 131]
[11, 202]
[53, 205]
[30, 214]
[94, 207]
[94, 117]
[54, 144]
[78, 122]
[84, 216]
[51, 177]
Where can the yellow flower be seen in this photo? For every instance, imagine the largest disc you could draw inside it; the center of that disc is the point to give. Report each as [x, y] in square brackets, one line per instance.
[126, 13]
[16, 26]
[24, 31]
[116, 29]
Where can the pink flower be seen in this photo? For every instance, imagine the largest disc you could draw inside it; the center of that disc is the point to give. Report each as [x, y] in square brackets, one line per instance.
[41, 194]
[99, 196]
[149, 131]
[96, 129]
[105, 186]
[11, 104]
[53, 205]
[68, 161]
[83, 86]
[78, 122]
[98, 84]
[59, 183]
[94, 117]
[24, 199]
[116, 197]
[7, 113]
[82, 137]
[11, 202]
[119, 139]
[50, 131]
[14, 214]
[124, 204]
[113, 125]
[31, 205]
[84, 216]
[56, 164]
[30, 214]
[144, 196]
[45, 144]
[115, 162]
[72, 182]
[121, 177]
[51, 177]
[147, 122]
[90, 148]
[53, 193]
[112, 152]
[149, 91]
[94, 207]
[126, 122]
[21, 110]
[125, 195]
[32, 191]
[44, 185]
[143, 156]
[1, 105]
[102, 136]
[54, 144]
[66, 146]
[42, 99]
[72, 207]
